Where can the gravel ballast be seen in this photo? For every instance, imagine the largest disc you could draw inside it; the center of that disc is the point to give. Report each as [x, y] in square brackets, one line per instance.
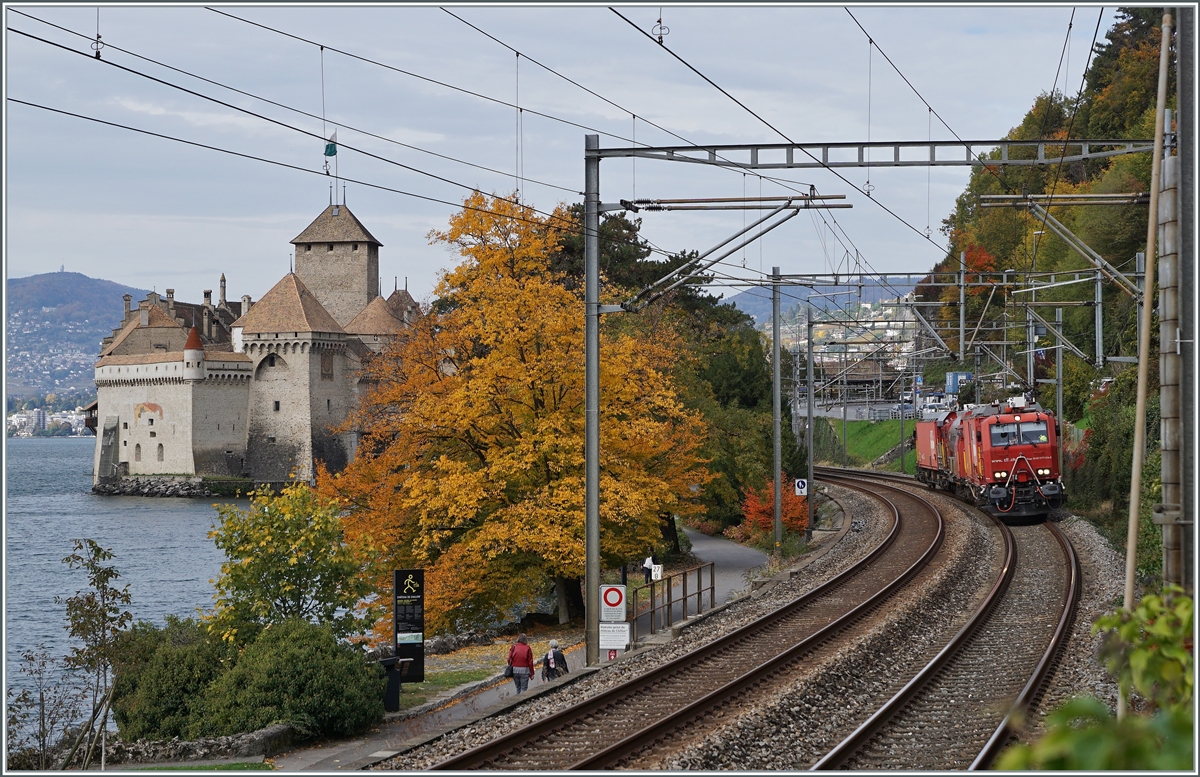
[797, 724]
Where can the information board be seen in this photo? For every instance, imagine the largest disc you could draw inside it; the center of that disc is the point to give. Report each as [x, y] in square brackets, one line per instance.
[409, 618]
[614, 636]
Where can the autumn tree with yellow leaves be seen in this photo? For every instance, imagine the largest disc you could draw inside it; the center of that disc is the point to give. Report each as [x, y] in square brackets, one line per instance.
[471, 463]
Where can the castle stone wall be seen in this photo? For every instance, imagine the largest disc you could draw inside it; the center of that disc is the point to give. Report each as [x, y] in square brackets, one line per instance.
[151, 413]
[220, 426]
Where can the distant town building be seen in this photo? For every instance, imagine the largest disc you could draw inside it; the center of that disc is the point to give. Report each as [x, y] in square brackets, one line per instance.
[235, 388]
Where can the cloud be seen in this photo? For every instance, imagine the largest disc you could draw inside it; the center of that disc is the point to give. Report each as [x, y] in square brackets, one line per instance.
[229, 120]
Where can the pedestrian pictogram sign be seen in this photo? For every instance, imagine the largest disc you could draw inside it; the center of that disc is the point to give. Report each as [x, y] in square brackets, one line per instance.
[801, 487]
[612, 603]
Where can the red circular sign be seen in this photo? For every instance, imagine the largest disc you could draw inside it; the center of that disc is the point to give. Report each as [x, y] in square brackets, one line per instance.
[613, 597]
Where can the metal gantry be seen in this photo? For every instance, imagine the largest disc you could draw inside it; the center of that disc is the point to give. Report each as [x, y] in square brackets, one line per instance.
[910, 153]
[987, 153]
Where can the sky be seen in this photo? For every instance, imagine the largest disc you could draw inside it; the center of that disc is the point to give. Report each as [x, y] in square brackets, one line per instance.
[152, 213]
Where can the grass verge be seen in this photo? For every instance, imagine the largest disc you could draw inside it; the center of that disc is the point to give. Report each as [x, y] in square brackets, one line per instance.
[416, 694]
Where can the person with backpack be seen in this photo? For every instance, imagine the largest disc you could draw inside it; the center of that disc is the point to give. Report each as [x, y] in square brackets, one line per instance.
[520, 662]
[554, 663]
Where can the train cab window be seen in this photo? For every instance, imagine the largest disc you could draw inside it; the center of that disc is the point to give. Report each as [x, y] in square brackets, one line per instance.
[1034, 433]
[1003, 435]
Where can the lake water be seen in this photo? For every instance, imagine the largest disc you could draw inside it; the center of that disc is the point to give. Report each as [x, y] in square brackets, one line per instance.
[160, 546]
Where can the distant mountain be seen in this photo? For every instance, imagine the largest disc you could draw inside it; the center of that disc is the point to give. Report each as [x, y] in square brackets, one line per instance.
[757, 302]
[54, 324]
[64, 297]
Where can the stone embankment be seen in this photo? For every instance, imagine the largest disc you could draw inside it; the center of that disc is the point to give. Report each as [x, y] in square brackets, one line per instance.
[267, 742]
[154, 486]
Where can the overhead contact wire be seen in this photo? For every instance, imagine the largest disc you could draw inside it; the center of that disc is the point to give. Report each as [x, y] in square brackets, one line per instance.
[298, 111]
[779, 132]
[277, 163]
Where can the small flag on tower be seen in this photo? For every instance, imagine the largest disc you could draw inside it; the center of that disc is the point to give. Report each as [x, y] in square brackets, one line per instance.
[331, 145]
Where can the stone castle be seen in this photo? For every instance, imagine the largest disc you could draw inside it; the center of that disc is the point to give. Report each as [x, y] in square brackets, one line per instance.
[242, 389]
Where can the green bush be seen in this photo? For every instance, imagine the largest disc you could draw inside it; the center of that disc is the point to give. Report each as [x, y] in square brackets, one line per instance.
[1150, 650]
[1083, 736]
[161, 696]
[298, 673]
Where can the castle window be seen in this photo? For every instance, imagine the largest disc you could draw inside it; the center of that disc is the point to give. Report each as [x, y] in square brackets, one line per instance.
[326, 365]
[354, 247]
[308, 246]
[137, 452]
[160, 451]
[277, 405]
[331, 246]
[271, 360]
[153, 434]
[271, 438]
[150, 421]
[329, 405]
[125, 425]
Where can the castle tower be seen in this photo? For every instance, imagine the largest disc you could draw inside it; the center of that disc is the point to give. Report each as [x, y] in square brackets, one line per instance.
[337, 259]
[193, 357]
[302, 386]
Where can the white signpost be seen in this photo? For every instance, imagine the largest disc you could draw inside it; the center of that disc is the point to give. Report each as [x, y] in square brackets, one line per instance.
[656, 572]
[801, 487]
[612, 603]
[614, 636]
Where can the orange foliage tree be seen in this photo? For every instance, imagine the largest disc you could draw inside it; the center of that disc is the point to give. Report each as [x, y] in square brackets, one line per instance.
[759, 510]
[471, 462]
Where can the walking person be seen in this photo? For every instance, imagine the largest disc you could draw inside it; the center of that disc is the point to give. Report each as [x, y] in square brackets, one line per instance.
[647, 567]
[520, 658]
[554, 663]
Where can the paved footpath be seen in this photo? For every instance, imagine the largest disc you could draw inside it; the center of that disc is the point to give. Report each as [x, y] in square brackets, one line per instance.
[484, 699]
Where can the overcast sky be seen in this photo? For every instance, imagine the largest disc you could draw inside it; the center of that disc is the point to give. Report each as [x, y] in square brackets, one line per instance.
[153, 213]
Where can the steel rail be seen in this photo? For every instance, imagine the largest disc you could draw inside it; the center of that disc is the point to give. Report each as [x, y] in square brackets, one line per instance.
[1034, 687]
[484, 755]
[836, 757]
[611, 755]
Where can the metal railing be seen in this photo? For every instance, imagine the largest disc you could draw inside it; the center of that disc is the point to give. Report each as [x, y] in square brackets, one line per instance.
[659, 598]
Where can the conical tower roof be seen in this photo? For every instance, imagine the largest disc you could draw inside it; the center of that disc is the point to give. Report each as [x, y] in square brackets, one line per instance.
[288, 307]
[336, 224]
[376, 319]
[194, 343]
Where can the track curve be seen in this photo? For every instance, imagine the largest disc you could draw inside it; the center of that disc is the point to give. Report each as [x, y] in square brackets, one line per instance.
[604, 730]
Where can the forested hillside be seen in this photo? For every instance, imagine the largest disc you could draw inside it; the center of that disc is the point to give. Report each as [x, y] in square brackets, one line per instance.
[1117, 102]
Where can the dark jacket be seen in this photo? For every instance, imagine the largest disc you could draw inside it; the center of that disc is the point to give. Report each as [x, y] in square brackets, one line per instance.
[560, 665]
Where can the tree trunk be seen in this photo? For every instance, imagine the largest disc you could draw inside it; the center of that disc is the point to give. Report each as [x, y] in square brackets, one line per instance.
[670, 533]
[574, 588]
[564, 610]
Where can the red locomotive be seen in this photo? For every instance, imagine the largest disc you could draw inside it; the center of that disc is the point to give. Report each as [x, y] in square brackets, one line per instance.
[1002, 456]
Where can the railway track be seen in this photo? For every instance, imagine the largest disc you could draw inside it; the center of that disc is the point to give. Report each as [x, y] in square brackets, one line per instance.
[955, 713]
[610, 728]
[958, 711]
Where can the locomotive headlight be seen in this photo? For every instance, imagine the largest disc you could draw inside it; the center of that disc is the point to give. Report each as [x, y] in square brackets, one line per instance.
[1000, 475]
[1043, 472]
